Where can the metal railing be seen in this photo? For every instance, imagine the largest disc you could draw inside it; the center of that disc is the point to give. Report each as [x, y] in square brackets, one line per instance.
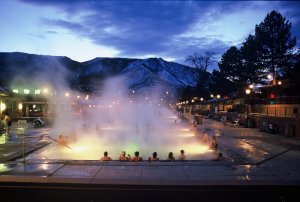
[44, 136]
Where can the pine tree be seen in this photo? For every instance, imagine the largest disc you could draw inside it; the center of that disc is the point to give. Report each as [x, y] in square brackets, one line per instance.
[250, 60]
[231, 66]
[275, 43]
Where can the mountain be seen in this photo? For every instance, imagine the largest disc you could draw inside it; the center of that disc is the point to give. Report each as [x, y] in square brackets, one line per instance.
[142, 75]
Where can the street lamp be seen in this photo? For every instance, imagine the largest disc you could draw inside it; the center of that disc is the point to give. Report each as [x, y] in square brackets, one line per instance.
[218, 97]
[269, 76]
[248, 91]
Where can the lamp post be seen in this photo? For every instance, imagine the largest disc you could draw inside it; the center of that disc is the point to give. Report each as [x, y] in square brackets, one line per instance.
[248, 91]
[218, 97]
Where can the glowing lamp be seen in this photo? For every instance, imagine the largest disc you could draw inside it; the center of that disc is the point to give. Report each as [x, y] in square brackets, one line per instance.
[20, 106]
[218, 96]
[251, 86]
[269, 76]
[201, 99]
[211, 95]
[2, 106]
[279, 82]
[248, 91]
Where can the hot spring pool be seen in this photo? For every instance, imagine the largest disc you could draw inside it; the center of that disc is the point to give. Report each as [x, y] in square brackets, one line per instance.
[91, 144]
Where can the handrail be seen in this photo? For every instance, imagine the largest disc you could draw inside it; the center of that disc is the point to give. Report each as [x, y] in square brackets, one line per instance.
[41, 137]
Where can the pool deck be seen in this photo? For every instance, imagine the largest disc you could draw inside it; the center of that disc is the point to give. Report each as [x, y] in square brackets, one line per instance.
[252, 161]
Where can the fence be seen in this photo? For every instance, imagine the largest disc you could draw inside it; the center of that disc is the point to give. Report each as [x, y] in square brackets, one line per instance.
[276, 111]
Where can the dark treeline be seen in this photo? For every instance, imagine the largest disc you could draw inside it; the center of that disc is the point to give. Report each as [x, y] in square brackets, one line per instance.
[271, 50]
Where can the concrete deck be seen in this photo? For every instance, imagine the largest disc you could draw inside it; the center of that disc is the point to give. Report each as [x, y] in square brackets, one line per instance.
[252, 161]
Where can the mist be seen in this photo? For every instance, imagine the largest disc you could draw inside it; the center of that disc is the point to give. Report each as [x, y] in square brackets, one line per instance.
[116, 119]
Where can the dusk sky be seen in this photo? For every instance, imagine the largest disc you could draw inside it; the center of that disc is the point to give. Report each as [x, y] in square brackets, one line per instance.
[83, 30]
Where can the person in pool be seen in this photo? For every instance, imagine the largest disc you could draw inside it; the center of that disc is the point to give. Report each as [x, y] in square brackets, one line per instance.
[123, 156]
[170, 157]
[182, 156]
[154, 157]
[105, 157]
[136, 157]
[62, 140]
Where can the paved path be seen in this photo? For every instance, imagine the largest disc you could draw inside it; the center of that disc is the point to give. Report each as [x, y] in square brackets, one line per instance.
[249, 157]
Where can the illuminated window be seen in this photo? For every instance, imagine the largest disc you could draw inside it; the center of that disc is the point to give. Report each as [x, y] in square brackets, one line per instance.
[37, 92]
[15, 91]
[26, 91]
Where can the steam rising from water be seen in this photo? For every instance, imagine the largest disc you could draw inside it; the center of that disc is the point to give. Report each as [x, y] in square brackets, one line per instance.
[118, 120]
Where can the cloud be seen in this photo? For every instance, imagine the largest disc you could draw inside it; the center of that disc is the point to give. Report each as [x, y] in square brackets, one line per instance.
[168, 29]
[51, 32]
[35, 35]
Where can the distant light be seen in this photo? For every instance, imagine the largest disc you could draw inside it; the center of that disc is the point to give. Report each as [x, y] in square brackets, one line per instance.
[251, 86]
[272, 95]
[15, 91]
[218, 96]
[86, 97]
[269, 76]
[167, 92]
[45, 90]
[33, 106]
[279, 82]
[133, 91]
[37, 92]
[26, 91]
[201, 99]
[67, 94]
[78, 96]
[193, 101]
[248, 91]
[211, 95]
[20, 106]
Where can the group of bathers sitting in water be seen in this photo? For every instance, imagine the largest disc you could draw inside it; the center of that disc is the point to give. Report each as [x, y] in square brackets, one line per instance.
[137, 158]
